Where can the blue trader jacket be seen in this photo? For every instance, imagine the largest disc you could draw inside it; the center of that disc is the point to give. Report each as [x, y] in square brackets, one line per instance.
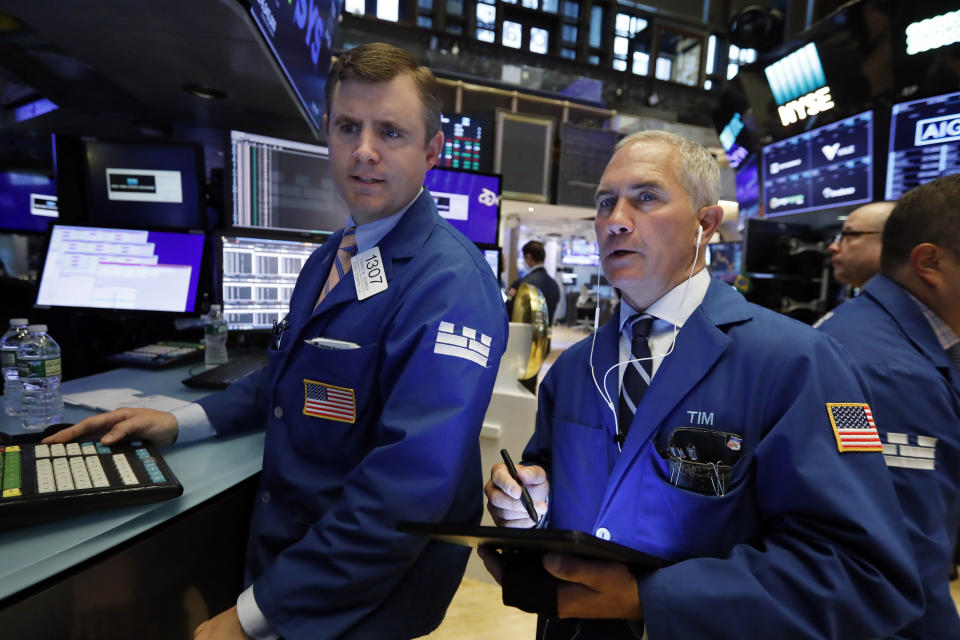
[916, 404]
[806, 542]
[359, 439]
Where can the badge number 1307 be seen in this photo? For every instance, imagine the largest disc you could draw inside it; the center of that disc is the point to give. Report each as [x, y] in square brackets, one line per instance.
[369, 276]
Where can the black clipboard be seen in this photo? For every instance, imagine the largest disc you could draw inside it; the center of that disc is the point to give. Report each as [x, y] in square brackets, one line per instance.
[538, 541]
[525, 583]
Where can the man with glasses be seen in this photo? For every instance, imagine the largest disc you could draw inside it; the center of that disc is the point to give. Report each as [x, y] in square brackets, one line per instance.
[902, 332]
[855, 252]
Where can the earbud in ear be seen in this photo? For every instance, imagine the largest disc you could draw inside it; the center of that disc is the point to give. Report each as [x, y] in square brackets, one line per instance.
[699, 236]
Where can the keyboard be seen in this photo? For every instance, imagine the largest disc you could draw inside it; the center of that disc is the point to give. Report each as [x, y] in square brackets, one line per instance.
[221, 377]
[42, 483]
[158, 355]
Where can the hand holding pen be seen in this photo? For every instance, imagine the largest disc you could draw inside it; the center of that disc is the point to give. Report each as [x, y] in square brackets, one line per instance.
[514, 493]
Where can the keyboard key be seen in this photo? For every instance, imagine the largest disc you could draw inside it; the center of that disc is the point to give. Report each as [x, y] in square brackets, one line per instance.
[127, 476]
[41, 451]
[73, 449]
[11, 472]
[81, 479]
[97, 476]
[57, 450]
[88, 449]
[45, 481]
[62, 475]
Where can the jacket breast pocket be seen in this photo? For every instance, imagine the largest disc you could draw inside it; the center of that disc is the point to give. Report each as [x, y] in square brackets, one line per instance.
[677, 522]
[332, 401]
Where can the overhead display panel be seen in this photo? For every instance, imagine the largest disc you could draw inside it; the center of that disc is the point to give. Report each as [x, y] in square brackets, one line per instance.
[823, 168]
[924, 142]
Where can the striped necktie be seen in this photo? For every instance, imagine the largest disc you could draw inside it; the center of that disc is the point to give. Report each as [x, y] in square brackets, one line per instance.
[636, 376]
[341, 263]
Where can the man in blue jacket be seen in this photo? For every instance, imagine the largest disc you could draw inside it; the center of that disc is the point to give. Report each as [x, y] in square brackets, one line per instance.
[375, 390]
[737, 447]
[903, 333]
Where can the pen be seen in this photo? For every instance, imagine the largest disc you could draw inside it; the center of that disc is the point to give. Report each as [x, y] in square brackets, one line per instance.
[524, 494]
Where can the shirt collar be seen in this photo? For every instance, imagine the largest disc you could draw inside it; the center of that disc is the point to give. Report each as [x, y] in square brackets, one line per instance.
[676, 305]
[371, 233]
[945, 335]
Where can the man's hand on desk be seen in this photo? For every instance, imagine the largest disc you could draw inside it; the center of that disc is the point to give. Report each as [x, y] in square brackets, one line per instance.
[225, 625]
[158, 427]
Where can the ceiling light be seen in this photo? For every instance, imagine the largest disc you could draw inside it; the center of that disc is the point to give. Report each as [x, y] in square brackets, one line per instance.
[207, 93]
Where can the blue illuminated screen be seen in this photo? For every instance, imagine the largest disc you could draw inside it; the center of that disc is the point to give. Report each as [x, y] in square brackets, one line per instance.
[924, 142]
[469, 201]
[28, 201]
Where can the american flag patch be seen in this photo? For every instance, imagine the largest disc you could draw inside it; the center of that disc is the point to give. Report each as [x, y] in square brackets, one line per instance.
[467, 344]
[322, 400]
[853, 426]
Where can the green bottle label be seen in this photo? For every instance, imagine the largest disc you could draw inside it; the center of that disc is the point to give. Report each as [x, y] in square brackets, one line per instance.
[38, 368]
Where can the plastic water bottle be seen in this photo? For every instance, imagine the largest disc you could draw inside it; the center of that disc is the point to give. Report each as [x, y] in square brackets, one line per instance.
[38, 362]
[8, 363]
[214, 337]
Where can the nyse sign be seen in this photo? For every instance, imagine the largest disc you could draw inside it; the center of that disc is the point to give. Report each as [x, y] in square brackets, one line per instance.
[808, 105]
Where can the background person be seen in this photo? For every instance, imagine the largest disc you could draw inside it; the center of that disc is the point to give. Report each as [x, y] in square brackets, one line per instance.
[855, 252]
[902, 331]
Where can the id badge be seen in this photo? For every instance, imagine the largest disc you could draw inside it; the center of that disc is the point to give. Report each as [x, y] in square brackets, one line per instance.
[369, 276]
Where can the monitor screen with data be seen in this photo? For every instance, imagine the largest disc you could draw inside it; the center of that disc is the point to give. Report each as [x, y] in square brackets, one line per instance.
[258, 275]
[826, 167]
[279, 184]
[111, 268]
[924, 142]
[469, 201]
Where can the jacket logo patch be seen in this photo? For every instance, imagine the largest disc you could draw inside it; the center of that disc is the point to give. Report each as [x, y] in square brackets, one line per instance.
[853, 426]
[899, 451]
[466, 344]
[322, 400]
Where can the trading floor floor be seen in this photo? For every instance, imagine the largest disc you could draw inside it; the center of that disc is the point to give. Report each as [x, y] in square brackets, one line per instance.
[477, 611]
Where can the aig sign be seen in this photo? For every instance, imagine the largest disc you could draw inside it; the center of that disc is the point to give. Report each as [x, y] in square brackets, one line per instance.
[937, 130]
[799, 85]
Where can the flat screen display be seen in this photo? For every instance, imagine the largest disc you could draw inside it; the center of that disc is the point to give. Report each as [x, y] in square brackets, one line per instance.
[580, 251]
[924, 142]
[111, 268]
[152, 185]
[469, 201]
[28, 201]
[300, 36]
[748, 191]
[724, 259]
[466, 142]
[258, 276]
[283, 185]
[826, 167]
[492, 256]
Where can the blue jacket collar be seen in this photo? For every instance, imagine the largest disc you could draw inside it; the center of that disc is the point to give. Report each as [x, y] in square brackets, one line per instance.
[905, 313]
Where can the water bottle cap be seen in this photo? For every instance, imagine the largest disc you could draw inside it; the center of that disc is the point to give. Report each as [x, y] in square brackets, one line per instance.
[18, 322]
[37, 328]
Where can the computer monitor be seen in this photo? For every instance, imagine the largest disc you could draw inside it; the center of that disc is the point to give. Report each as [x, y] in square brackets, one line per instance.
[257, 276]
[152, 185]
[580, 251]
[826, 167]
[279, 184]
[568, 277]
[28, 201]
[493, 257]
[469, 201]
[748, 191]
[467, 142]
[114, 268]
[783, 249]
[724, 260]
[924, 142]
